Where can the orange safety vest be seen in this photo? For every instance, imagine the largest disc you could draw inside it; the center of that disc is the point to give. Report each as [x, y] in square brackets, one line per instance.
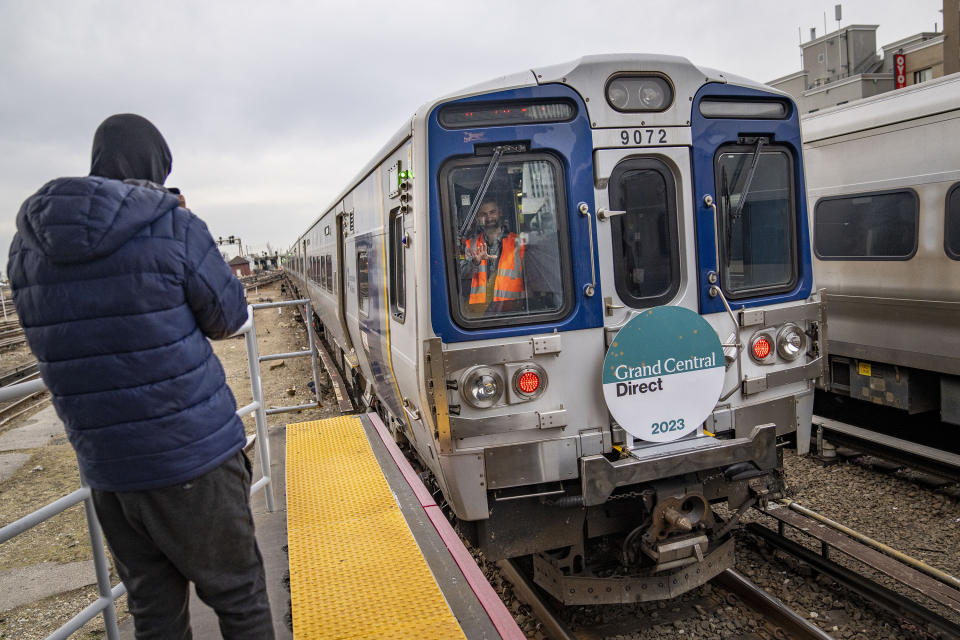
[508, 284]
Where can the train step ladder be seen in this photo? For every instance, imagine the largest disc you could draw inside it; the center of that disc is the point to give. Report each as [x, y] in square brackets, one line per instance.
[256, 385]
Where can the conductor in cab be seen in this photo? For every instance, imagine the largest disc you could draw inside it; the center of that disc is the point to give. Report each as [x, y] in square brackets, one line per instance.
[492, 263]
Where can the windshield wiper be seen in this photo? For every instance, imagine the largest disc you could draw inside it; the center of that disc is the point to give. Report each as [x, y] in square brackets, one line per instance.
[746, 187]
[481, 190]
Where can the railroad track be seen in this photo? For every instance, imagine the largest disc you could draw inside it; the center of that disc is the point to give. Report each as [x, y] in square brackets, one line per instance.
[778, 619]
[910, 454]
[933, 585]
[23, 373]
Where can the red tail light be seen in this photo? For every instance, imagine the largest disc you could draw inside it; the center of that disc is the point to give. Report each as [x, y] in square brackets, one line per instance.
[761, 348]
[528, 382]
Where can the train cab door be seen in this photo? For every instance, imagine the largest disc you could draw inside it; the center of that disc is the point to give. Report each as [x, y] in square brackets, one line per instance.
[644, 231]
[341, 279]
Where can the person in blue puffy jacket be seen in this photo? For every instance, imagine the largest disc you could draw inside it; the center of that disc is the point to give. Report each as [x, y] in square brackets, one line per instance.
[118, 288]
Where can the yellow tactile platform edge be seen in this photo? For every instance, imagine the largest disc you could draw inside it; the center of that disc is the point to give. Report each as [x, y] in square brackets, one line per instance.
[355, 568]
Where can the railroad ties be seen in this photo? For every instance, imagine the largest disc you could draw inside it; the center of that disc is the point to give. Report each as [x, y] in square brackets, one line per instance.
[939, 587]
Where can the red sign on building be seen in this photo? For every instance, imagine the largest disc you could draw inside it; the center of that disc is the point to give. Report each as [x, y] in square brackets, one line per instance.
[900, 70]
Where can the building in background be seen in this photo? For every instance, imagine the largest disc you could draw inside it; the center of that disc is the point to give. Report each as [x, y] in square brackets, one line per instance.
[844, 65]
[240, 266]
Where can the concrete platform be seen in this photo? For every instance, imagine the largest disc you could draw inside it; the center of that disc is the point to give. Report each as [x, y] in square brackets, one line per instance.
[272, 538]
[39, 431]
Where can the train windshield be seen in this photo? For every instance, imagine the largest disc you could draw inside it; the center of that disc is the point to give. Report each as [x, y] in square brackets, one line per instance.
[506, 241]
[756, 219]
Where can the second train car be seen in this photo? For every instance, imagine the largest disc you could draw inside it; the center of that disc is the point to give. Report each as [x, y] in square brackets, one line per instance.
[473, 277]
[884, 192]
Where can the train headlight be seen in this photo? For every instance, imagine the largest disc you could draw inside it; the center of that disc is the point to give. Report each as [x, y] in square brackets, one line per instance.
[639, 93]
[761, 347]
[791, 342]
[482, 387]
[529, 381]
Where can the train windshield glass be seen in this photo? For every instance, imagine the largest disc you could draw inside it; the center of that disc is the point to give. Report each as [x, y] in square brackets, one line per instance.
[505, 239]
[756, 219]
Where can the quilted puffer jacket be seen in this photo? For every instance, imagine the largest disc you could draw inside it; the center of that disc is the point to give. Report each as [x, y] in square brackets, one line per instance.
[118, 289]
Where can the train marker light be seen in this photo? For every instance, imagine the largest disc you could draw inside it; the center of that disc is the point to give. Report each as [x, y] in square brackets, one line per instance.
[760, 347]
[529, 381]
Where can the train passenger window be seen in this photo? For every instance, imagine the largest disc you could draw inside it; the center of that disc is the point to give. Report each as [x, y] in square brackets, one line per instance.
[398, 293]
[646, 252]
[757, 224]
[881, 225]
[328, 280]
[506, 239]
[363, 283]
[951, 230]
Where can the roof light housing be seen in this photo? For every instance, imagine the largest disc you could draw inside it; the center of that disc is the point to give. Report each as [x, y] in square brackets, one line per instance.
[639, 93]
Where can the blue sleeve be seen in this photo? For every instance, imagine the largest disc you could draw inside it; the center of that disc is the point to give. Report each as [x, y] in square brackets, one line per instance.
[215, 296]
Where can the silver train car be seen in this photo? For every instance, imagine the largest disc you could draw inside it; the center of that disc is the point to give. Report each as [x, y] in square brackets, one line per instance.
[883, 177]
[473, 277]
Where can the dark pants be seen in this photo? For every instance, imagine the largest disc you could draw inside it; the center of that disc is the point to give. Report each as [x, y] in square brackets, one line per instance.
[200, 532]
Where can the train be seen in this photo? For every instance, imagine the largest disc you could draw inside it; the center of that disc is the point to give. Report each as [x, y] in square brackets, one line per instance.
[883, 178]
[582, 296]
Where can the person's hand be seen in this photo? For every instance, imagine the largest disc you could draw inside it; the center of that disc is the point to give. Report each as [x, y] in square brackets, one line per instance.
[478, 252]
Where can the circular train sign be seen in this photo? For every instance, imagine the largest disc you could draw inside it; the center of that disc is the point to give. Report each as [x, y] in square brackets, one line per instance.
[663, 374]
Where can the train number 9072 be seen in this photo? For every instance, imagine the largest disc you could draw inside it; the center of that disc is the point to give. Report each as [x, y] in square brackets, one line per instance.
[643, 136]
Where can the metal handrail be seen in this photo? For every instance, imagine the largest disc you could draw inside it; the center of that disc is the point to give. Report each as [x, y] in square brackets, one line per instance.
[107, 594]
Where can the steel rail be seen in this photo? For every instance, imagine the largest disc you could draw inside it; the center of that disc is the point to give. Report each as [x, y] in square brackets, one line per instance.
[886, 598]
[910, 454]
[18, 373]
[933, 572]
[529, 594]
[770, 607]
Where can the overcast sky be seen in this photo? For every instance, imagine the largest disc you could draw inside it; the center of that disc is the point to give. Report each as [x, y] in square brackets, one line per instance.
[269, 108]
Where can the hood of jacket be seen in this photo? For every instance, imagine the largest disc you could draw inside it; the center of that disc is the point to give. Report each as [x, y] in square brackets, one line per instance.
[73, 220]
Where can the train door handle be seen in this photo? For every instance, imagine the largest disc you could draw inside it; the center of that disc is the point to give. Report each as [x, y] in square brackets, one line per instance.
[590, 289]
[609, 305]
[413, 414]
[604, 214]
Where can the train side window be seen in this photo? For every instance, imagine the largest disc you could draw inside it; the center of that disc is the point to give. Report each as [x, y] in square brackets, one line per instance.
[951, 229]
[506, 240]
[880, 225]
[398, 293]
[646, 252]
[328, 274]
[363, 283]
